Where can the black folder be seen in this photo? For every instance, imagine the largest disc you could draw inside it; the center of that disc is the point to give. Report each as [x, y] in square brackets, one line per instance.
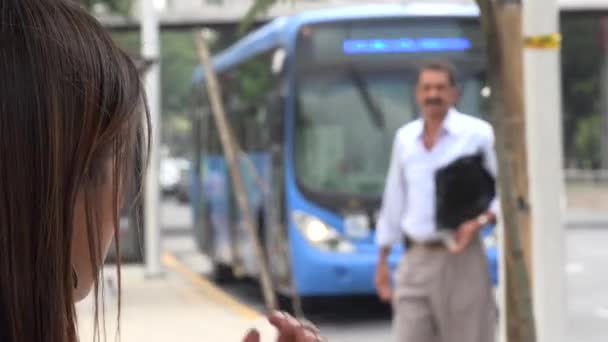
[464, 190]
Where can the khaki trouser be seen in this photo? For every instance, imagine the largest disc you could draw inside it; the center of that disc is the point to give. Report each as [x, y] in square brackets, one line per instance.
[444, 297]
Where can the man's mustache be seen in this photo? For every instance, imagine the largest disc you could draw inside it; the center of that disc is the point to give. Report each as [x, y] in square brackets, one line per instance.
[433, 101]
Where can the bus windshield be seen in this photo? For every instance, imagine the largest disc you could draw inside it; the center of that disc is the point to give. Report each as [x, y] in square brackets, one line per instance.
[355, 85]
[341, 145]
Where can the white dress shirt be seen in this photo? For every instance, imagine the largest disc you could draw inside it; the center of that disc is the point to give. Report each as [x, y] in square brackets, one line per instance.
[408, 204]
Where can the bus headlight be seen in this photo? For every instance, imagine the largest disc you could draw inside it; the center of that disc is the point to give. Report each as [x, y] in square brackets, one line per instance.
[320, 234]
[317, 231]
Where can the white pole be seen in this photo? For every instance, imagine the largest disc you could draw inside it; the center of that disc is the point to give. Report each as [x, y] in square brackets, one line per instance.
[545, 167]
[151, 51]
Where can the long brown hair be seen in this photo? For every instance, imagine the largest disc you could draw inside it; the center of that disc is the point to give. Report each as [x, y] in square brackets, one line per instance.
[70, 100]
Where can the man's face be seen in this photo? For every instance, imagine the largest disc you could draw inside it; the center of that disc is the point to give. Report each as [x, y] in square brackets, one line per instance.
[434, 93]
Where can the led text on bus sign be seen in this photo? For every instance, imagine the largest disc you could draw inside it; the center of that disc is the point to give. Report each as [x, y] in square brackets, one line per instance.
[405, 45]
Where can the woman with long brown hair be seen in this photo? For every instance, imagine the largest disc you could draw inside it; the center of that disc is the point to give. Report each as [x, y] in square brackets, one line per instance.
[71, 107]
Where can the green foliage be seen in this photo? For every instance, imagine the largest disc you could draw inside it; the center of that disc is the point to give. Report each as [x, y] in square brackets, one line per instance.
[128, 41]
[582, 63]
[581, 70]
[588, 141]
[254, 76]
[117, 6]
[254, 81]
[178, 61]
[259, 7]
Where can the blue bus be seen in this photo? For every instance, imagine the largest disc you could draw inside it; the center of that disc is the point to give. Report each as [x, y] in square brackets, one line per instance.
[314, 101]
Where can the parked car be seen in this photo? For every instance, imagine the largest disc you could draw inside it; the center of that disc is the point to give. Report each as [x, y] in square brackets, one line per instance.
[174, 178]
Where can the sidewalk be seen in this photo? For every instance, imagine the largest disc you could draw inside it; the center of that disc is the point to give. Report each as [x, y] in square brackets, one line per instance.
[586, 218]
[587, 205]
[177, 307]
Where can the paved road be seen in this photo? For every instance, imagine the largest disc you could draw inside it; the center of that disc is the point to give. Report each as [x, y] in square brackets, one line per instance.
[364, 319]
[587, 275]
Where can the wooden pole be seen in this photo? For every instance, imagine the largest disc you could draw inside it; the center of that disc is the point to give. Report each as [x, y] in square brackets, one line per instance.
[502, 26]
[230, 151]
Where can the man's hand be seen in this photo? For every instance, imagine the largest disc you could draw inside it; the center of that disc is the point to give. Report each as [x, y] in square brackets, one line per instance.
[464, 235]
[383, 281]
[289, 330]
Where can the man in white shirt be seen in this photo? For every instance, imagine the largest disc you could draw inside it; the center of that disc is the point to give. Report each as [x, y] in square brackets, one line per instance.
[442, 290]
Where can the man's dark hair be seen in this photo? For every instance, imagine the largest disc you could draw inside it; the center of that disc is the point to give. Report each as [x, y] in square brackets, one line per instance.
[442, 66]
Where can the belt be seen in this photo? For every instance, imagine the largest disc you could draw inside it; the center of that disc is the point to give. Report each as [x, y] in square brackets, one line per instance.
[433, 244]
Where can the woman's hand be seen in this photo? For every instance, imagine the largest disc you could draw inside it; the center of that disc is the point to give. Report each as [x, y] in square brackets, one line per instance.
[289, 329]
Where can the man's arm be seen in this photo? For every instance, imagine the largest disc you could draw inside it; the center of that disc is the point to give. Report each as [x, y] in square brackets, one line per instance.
[388, 229]
[491, 164]
[384, 253]
[382, 278]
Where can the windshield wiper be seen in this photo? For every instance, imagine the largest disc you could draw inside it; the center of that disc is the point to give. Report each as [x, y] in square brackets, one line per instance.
[373, 110]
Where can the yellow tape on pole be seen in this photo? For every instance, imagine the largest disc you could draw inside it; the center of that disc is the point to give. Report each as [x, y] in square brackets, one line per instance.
[544, 41]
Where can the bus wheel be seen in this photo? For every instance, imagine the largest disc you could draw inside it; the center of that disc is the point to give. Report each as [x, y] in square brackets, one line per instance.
[285, 304]
[288, 304]
[223, 274]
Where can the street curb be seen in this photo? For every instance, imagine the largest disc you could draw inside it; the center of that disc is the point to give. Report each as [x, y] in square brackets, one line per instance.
[586, 224]
[210, 289]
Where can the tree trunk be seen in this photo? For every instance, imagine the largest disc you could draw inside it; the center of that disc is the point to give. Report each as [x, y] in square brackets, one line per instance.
[502, 27]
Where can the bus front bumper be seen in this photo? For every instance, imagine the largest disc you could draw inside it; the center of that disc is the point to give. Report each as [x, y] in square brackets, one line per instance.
[323, 273]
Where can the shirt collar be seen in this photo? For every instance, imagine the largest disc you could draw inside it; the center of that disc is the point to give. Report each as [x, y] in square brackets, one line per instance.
[450, 122]
[449, 125]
